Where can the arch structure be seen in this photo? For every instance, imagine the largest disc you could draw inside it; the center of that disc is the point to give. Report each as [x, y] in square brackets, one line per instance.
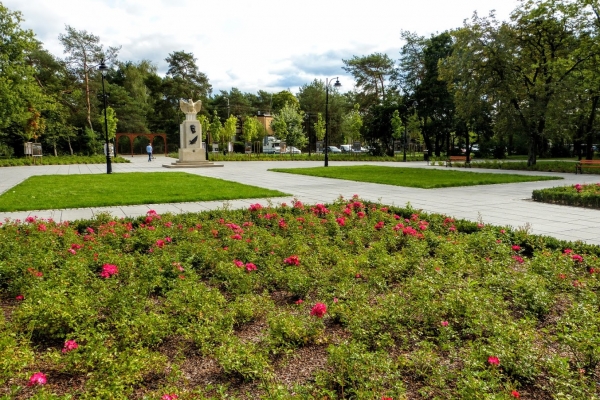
[149, 136]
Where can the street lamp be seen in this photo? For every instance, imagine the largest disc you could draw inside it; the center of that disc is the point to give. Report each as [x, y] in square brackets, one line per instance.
[336, 84]
[103, 69]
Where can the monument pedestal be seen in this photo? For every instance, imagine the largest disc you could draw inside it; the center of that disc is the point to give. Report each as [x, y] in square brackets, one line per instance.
[192, 158]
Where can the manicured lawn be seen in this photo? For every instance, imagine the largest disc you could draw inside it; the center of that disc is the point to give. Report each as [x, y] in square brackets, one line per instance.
[411, 177]
[75, 191]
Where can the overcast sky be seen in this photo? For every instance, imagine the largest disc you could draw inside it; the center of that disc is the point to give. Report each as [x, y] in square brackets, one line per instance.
[264, 44]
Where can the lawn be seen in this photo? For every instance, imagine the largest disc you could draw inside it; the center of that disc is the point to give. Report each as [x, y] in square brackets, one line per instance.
[350, 300]
[98, 190]
[423, 178]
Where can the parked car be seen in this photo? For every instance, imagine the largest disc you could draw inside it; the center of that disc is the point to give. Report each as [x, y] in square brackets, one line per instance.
[333, 149]
[293, 150]
[346, 148]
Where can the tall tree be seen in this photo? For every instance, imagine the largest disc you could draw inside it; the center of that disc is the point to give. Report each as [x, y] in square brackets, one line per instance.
[372, 74]
[84, 54]
[187, 80]
[287, 125]
[282, 98]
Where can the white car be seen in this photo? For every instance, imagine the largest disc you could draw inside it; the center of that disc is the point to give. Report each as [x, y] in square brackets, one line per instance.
[292, 150]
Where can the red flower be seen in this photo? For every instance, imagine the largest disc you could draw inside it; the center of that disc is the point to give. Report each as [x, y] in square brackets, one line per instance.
[238, 263]
[386, 398]
[298, 204]
[69, 345]
[444, 323]
[282, 223]
[379, 225]
[299, 301]
[518, 259]
[292, 260]
[360, 214]
[171, 396]
[318, 310]
[160, 243]
[237, 236]
[109, 270]
[20, 297]
[341, 221]
[250, 267]
[515, 394]
[37, 379]
[577, 258]
[492, 360]
[567, 251]
[516, 247]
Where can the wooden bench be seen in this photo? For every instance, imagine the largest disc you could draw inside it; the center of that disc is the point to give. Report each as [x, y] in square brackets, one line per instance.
[586, 164]
[452, 159]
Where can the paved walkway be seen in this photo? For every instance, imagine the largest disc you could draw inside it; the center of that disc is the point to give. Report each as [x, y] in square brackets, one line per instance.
[505, 204]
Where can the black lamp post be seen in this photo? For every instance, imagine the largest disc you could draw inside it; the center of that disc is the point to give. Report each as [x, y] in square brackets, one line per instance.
[103, 68]
[336, 84]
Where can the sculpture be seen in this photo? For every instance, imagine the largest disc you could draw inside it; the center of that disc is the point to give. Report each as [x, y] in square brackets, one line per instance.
[189, 107]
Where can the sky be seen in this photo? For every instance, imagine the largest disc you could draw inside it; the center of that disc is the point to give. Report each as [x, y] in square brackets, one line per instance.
[270, 45]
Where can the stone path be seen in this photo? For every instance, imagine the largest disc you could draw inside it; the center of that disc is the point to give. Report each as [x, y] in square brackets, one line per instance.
[504, 204]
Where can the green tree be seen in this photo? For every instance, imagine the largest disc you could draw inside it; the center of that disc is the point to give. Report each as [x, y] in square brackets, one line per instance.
[186, 79]
[111, 119]
[20, 95]
[319, 127]
[84, 54]
[205, 124]
[372, 74]
[216, 129]
[352, 124]
[282, 98]
[287, 125]
[229, 128]
[252, 129]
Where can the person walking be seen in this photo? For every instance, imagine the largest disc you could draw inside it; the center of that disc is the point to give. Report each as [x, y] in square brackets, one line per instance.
[149, 151]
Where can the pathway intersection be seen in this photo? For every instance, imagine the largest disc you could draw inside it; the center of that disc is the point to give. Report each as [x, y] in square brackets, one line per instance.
[504, 204]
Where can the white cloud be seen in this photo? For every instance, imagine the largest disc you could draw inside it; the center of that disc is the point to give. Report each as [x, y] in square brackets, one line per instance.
[251, 45]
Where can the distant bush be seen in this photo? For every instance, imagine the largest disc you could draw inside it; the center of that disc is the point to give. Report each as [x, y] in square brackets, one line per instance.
[61, 160]
[543, 166]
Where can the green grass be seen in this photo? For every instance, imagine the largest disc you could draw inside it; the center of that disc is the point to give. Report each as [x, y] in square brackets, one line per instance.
[412, 177]
[75, 191]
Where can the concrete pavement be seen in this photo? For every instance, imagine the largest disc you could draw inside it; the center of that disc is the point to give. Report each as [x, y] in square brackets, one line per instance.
[504, 204]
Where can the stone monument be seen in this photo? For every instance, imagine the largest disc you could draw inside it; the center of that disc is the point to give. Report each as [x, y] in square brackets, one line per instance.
[192, 153]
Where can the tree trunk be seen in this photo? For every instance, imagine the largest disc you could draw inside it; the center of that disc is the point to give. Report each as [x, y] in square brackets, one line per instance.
[589, 129]
[70, 147]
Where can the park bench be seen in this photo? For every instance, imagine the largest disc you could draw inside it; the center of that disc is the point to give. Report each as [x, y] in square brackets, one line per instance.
[586, 164]
[452, 159]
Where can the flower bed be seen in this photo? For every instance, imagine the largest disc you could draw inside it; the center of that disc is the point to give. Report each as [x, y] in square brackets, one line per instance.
[577, 195]
[348, 300]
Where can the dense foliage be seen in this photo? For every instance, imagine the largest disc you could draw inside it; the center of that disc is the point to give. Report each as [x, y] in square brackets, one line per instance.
[576, 195]
[349, 300]
[61, 160]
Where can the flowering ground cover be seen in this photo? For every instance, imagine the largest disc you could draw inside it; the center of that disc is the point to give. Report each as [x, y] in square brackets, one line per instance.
[577, 195]
[93, 190]
[349, 300]
[412, 177]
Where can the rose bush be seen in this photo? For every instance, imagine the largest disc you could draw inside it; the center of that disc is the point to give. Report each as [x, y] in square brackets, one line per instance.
[391, 301]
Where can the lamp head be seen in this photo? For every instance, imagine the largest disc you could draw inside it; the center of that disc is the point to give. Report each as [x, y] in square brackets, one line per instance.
[103, 68]
[337, 83]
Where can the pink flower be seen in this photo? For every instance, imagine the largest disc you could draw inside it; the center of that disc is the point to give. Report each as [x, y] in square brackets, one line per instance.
[335, 300]
[515, 394]
[30, 219]
[238, 263]
[492, 360]
[72, 251]
[237, 236]
[577, 258]
[42, 228]
[109, 270]
[386, 398]
[292, 260]
[379, 225]
[299, 301]
[480, 226]
[398, 227]
[298, 204]
[282, 223]
[255, 207]
[318, 310]
[250, 267]
[360, 214]
[20, 297]
[502, 231]
[567, 251]
[160, 243]
[341, 221]
[69, 345]
[37, 379]
[444, 323]
[171, 396]
[452, 229]
[518, 259]
[516, 247]
[562, 276]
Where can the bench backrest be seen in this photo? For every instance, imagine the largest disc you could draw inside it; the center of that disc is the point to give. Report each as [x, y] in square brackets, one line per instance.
[589, 162]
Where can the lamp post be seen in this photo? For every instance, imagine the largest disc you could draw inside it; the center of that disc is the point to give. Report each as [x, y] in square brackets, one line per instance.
[336, 84]
[307, 119]
[103, 69]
